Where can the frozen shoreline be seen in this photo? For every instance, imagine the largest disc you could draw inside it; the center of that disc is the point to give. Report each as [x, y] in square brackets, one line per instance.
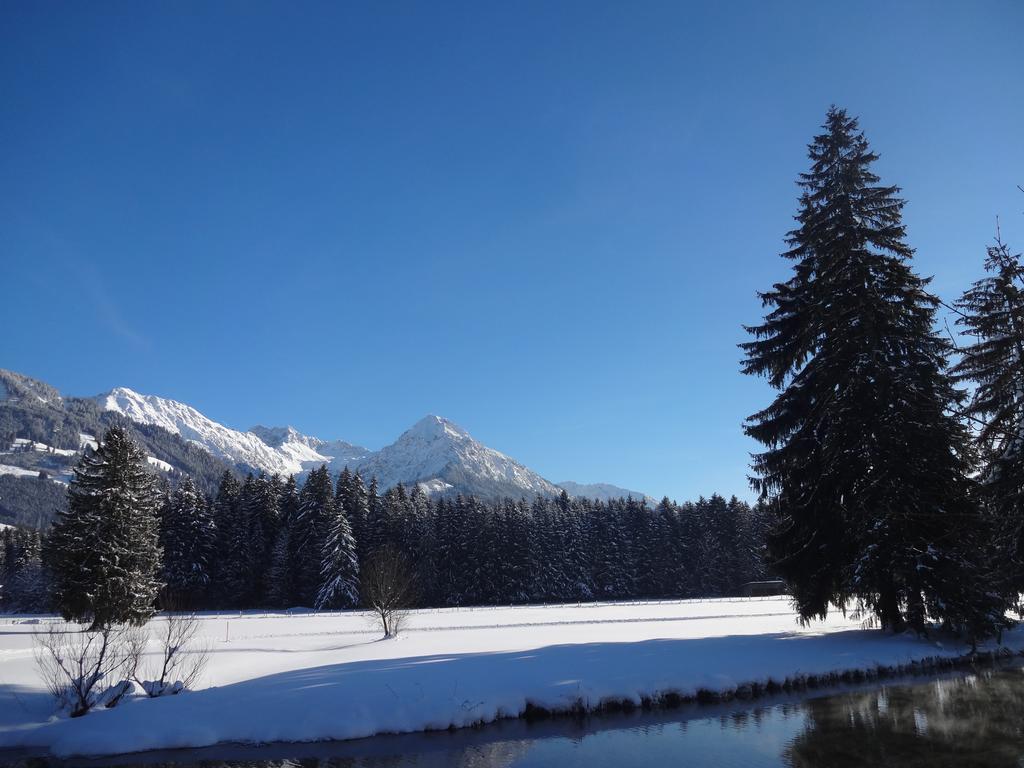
[316, 677]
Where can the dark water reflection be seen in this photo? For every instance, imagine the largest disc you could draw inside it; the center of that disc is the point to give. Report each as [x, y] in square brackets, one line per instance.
[974, 720]
[964, 720]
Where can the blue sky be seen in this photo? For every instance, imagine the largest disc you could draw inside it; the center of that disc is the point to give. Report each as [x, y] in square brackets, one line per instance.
[546, 221]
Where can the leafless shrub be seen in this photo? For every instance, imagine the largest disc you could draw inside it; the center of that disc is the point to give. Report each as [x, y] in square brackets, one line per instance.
[388, 589]
[182, 659]
[85, 669]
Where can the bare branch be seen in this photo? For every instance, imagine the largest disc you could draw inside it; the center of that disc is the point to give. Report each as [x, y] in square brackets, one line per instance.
[84, 669]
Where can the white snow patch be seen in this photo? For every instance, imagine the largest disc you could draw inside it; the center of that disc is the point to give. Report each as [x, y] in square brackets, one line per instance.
[161, 465]
[436, 485]
[7, 469]
[24, 444]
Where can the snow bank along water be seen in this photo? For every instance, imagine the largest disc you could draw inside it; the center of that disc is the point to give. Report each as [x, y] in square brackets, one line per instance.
[308, 677]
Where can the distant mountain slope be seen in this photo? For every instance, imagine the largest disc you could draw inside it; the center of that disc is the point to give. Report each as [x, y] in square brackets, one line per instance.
[311, 452]
[600, 491]
[442, 456]
[44, 432]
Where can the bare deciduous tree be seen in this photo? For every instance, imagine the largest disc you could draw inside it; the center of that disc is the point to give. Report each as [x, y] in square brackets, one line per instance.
[388, 588]
[84, 669]
[181, 661]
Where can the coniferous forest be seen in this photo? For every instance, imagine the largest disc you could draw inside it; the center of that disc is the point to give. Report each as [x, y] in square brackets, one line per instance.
[268, 542]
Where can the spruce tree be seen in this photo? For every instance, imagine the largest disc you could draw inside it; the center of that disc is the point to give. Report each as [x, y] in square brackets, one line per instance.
[239, 567]
[260, 519]
[421, 543]
[992, 314]
[862, 463]
[312, 530]
[666, 550]
[188, 537]
[103, 551]
[282, 578]
[374, 530]
[354, 499]
[226, 521]
[339, 572]
[609, 553]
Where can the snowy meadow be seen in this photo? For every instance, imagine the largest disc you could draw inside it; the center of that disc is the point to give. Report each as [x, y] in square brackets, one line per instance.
[309, 677]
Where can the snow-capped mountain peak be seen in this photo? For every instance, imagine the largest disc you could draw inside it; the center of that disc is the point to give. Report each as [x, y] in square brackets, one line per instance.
[439, 454]
[436, 428]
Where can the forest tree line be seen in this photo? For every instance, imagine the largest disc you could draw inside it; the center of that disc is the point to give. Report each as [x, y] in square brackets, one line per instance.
[267, 542]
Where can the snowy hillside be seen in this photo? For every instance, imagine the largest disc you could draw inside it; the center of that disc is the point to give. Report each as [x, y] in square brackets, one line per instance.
[601, 491]
[434, 452]
[15, 387]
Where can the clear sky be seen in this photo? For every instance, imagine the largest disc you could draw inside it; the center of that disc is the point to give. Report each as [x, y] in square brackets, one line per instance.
[546, 221]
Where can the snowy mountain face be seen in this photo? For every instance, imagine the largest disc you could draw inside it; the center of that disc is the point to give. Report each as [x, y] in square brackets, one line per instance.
[311, 452]
[440, 456]
[436, 454]
[279, 450]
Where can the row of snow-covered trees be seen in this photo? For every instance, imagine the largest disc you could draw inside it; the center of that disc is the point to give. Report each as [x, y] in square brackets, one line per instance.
[266, 542]
[128, 542]
[892, 488]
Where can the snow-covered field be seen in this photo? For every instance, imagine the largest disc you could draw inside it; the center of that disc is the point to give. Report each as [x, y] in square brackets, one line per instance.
[304, 677]
[8, 469]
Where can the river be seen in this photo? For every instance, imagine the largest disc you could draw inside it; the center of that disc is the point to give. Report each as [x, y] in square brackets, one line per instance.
[964, 719]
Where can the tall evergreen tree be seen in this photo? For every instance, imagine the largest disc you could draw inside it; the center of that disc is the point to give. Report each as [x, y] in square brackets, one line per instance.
[104, 552]
[375, 527]
[992, 313]
[238, 568]
[283, 578]
[188, 536]
[312, 531]
[354, 498]
[609, 553]
[226, 521]
[260, 518]
[421, 543]
[863, 460]
[339, 572]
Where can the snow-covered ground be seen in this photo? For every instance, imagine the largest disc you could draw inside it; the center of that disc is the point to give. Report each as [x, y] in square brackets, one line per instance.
[8, 469]
[307, 677]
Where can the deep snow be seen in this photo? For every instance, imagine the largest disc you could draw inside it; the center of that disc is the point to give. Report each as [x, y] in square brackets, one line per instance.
[307, 677]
